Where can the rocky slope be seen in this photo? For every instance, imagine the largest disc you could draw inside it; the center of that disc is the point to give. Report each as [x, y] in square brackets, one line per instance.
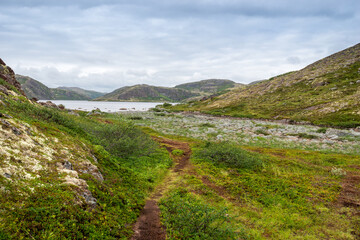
[8, 80]
[35, 89]
[145, 92]
[325, 92]
[29, 153]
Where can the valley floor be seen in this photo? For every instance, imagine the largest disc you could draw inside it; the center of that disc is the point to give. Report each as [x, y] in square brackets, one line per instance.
[271, 181]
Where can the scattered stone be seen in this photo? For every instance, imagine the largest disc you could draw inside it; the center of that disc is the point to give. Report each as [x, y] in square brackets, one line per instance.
[358, 81]
[7, 175]
[73, 113]
[93, 157]
[16, 131]
[94, 112]
[67, 165]
[219, 137]
[333, 137]
[89, 199]
[4, 90]
[93, 170]
[357, 129]
[344, 134]
[61, 106]
[5, 123]
[4, 115]
[333, 89]
[49, 104]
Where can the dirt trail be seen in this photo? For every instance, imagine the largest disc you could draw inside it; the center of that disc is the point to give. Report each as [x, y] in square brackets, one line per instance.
[148, 226]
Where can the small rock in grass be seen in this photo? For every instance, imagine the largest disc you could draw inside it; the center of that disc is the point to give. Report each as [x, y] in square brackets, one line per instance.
[67, 165]
[16, 131]
[7, 175]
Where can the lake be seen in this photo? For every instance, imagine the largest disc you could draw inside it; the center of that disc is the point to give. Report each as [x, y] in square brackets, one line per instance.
[105, 106]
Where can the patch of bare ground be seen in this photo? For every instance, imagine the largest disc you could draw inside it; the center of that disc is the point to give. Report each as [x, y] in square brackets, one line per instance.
[148, 226]
[350, 193]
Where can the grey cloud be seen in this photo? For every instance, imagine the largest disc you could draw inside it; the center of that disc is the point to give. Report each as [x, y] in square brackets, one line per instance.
[108, 44]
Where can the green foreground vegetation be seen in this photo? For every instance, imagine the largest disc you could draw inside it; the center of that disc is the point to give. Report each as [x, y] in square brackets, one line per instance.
[45, 208]
[227, 191]
[261, 193]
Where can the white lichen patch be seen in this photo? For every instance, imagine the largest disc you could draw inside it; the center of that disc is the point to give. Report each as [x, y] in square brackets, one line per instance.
[26, 153]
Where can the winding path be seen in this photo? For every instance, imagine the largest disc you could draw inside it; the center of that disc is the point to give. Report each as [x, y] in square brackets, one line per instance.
[148, 226]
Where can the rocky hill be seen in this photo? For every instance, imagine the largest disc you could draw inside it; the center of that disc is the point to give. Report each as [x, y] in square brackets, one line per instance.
[145, 92]
[35, 89]
[8, 80]
[209, 86]
[325, 92]
[88, 93]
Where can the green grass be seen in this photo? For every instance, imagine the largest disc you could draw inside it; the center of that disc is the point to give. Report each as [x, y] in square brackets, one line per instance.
[292, 197]
[186, 217]
[44, 208]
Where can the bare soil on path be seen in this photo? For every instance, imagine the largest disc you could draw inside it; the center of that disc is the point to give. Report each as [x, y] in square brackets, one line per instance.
[148, 226]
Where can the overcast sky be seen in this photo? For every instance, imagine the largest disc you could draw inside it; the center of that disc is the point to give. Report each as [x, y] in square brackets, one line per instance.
[106, 44]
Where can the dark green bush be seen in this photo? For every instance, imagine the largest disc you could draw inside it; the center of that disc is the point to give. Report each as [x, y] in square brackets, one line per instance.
[189, 218]
[135, 118]
[167, 105]
[321, 130]
[122, 140]
[209, 125]
[230, 155]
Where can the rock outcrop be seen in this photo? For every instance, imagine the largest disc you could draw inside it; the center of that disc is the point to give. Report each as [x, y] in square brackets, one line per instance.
[8, 75]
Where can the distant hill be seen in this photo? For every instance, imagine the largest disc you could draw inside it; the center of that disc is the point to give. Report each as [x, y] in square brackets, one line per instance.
[325, 92]
[145, 92]
[35, 89]
[208, 86]
[89, 93]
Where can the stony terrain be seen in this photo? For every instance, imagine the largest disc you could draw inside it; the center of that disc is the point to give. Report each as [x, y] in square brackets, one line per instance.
[252, 132]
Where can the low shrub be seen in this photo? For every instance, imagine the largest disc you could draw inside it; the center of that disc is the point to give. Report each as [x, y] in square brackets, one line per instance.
[177, 152]
[167, 105]
[209, 125]
[230, 155]
[321, 130]
[186, 217]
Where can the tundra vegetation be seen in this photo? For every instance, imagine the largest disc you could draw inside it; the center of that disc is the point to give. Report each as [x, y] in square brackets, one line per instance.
[78, 175]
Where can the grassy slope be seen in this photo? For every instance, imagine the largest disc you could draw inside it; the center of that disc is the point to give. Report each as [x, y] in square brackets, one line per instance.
[90, 94]
[43, 207]
[208, 87]
[326, 92]
[147, 93]
[34, 88]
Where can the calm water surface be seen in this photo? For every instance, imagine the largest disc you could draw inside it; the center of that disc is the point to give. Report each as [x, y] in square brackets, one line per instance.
[105, 106]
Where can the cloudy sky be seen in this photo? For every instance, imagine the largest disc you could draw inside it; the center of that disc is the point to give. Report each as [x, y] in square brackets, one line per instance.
[106, 44]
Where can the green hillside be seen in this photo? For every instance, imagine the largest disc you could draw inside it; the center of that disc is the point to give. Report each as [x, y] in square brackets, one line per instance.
[209, 86]
[147, 93]
[35, 89]
[325, 92]
[90, 94]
